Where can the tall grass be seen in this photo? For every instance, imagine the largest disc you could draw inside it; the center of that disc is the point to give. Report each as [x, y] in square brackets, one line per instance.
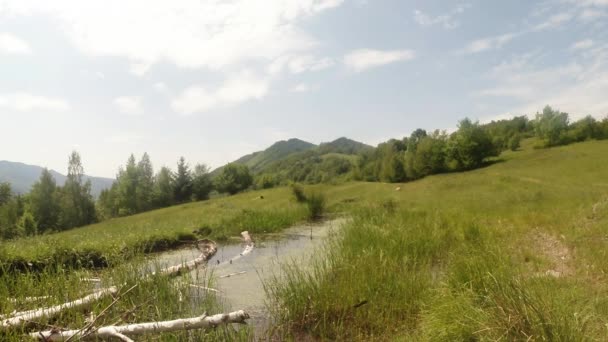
[457, 258]
[316, 204]
[155, 298]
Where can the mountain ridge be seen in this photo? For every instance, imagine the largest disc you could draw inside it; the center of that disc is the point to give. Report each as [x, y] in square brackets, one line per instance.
[22, 176]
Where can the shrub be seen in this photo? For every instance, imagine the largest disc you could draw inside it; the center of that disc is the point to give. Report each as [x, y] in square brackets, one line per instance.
[298, 193]
[316, 205]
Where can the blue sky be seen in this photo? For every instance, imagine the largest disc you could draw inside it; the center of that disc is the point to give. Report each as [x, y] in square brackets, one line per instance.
[212, 80]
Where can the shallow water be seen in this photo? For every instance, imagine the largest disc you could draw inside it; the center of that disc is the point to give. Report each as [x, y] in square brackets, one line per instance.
[245, 290]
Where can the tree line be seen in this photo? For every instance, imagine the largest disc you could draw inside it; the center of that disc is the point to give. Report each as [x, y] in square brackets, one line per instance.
[50, 208]
[423, 153]
[137, 188]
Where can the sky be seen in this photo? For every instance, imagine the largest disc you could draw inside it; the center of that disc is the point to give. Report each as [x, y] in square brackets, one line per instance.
[212, 80]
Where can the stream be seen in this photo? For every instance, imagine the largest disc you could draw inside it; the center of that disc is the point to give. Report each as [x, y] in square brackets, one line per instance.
[244, 288]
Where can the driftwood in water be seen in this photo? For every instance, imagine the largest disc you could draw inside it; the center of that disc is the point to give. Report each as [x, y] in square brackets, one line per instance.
[248, 248]
[122, 331]
[207, 248]
[233, 274]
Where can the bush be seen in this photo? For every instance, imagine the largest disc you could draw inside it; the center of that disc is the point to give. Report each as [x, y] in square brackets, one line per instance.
[298, 193]
[514, 142]
[316, 205]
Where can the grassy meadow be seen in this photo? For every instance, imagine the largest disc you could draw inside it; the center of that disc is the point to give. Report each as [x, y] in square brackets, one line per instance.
[512, 251]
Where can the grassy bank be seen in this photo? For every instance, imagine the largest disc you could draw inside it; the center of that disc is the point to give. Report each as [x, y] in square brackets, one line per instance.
[113, 241]
[156, 298]
[514, 251]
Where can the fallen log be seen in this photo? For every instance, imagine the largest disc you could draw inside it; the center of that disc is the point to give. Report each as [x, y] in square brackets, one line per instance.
[233, 274]
[28, 299]
[208, 289]
[249, 245]
[25, 316]
[207, 248]
[122, 331]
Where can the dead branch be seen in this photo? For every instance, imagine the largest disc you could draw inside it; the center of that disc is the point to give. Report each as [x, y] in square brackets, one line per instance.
[21, 317]
[122, 331]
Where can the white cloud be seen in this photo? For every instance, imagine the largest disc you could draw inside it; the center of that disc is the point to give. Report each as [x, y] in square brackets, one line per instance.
[11, 44]
[363, 59]
[303, 88]
[577, 87]
[448, 20]
[588, 14]
[299, 64]
[488, 43]
[123, 139]
[553, 21]
[190, 34]
[23, 102]
[131, 105]
[236, 89]
[582, 44]
[161, 87]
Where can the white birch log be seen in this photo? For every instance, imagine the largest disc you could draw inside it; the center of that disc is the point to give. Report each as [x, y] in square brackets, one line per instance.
[25, 316]
[28, 299]
[249, 245]
[144, 328]
[207, 248]
[208, 289]
[233, 274]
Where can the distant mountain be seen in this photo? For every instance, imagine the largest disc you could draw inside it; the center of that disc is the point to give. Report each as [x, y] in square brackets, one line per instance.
[257, 161]
[301, 161]
[23, 176]
[343, 145]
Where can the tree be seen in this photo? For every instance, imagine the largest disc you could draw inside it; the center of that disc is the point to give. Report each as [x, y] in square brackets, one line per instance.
[27, 224]
[5, 193]
[550, 126]
[127, 180]
[182, 185]
[233, 178]
[470, 145]
[429, 157]
[10, 212]
[163, 188]
[145, 183]
[107, 203]
[76, 202]
[44, 202]
[514, 142]
[201, 182]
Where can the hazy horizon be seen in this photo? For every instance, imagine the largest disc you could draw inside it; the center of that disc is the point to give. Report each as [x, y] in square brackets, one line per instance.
[215, 80]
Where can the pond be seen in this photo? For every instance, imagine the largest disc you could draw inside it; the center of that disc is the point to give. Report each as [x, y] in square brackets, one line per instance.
[241, 282]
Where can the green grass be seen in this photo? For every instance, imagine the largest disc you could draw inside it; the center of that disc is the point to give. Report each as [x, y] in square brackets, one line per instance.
[463, 256]
[459, 256]
[156, 298]
[112, 241]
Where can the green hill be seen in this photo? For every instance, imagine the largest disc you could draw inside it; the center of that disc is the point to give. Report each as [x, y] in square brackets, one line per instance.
[257, 161]
[301, 161]
[344, 146]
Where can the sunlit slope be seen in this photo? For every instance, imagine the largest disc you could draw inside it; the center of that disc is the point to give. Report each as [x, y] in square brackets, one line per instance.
[548, 187]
